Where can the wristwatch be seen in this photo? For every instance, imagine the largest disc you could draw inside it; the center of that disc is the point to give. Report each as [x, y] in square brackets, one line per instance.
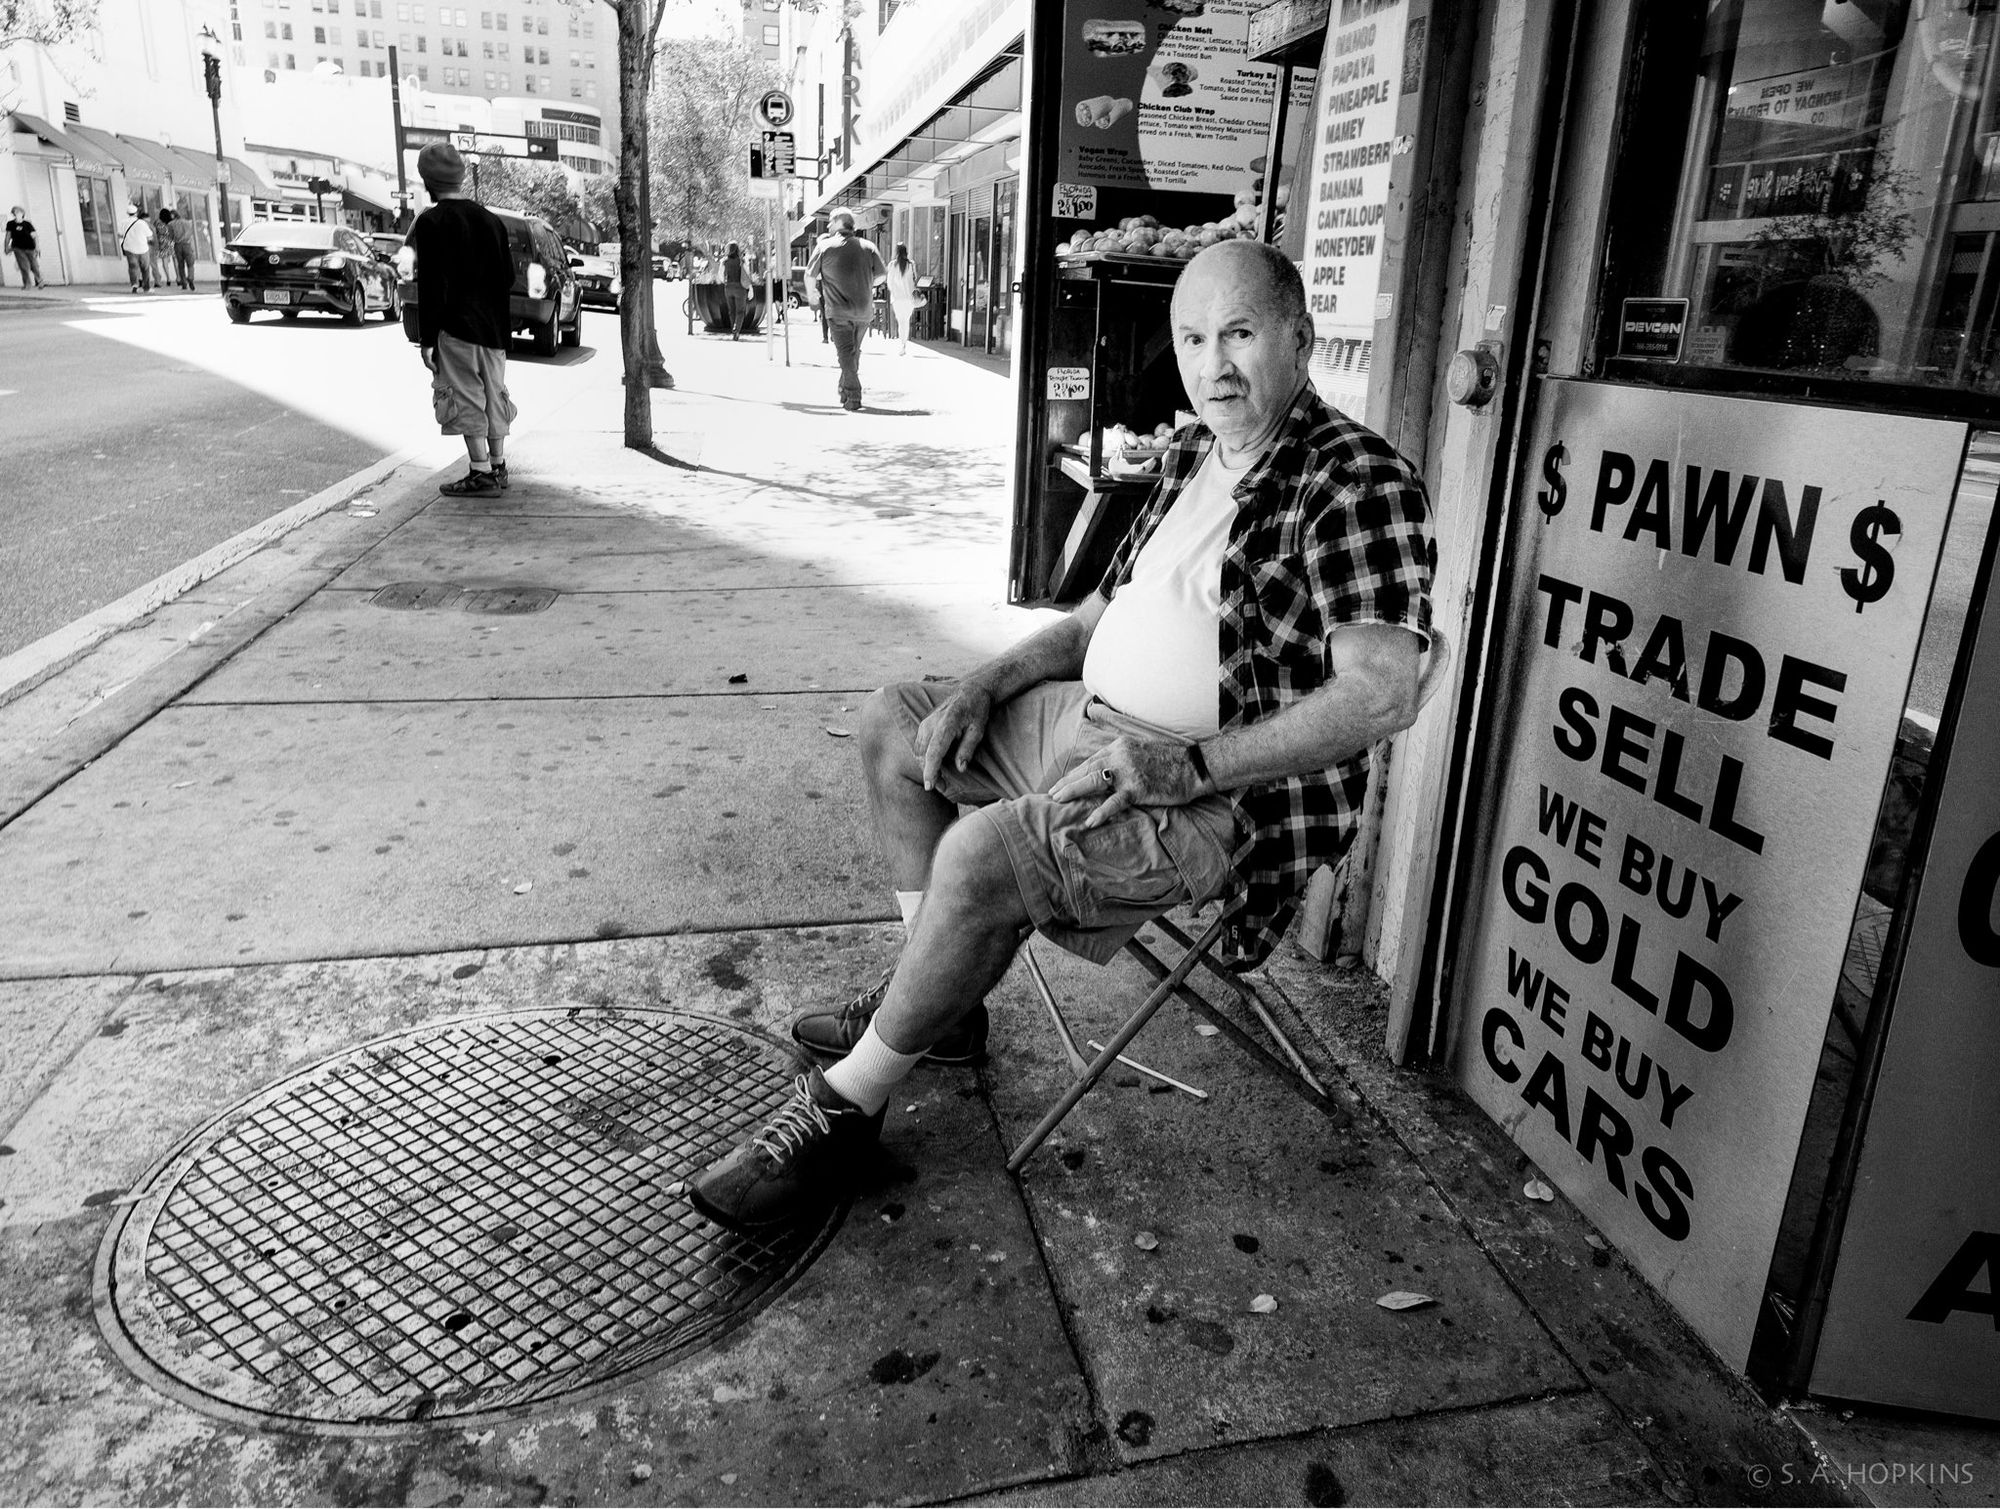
[1200, 765]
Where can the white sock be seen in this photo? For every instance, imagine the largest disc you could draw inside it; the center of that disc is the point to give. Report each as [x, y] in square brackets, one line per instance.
[870, 1071]
[908, 902]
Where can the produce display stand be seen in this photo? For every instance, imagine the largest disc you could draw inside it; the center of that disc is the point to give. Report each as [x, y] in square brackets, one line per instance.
[1108, 340]
[1095, 344]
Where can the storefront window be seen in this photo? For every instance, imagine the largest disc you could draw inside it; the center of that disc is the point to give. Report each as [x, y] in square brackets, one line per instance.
[1837, 213]
[100, 226]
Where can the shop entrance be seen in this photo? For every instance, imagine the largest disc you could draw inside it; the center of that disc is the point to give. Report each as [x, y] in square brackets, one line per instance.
[1676, 951]
[978, 287]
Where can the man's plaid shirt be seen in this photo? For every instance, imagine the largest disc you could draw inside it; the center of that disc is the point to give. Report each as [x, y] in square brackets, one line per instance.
[1331, 528]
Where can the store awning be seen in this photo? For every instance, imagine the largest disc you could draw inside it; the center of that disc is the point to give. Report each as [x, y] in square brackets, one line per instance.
[155, 162]
[85, 155]
[194, 171]
[137, 167]
[244, 179]
[925, 72]
[955, 131]
[362, 202]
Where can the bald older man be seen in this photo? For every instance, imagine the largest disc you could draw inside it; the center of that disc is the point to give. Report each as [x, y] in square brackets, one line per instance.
[841, 277]
[1198, 726]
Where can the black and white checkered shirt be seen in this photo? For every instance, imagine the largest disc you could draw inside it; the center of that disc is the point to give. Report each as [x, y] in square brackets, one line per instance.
[1331, 528]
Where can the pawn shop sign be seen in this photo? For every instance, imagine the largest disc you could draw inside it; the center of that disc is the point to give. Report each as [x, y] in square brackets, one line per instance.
[774, 109]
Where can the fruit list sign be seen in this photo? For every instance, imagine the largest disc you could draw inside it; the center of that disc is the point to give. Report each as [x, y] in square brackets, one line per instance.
[1348, 171]
[1716, 611]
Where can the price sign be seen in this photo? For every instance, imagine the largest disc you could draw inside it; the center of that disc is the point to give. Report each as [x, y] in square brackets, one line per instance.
[1069, 382]
[1075, 201]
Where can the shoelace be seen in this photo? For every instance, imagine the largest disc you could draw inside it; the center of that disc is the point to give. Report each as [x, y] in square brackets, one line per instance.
[864, 1005]
[790, 1129]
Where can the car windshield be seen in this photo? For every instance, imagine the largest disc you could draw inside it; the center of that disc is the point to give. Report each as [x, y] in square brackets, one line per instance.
[286, 233]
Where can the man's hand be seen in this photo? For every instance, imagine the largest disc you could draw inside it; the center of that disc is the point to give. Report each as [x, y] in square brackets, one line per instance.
[430, 356]
[954, 731]
[1142, 773]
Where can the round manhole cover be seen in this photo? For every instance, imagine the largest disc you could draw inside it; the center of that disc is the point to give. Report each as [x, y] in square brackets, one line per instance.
[451, 1224]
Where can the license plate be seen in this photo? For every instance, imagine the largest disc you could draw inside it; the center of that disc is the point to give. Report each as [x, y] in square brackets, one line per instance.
[277, 296]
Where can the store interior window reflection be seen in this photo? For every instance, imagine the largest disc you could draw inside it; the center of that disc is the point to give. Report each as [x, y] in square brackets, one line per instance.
[1839, 207]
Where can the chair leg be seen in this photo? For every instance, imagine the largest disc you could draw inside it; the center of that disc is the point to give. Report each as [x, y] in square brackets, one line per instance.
[1255, 1006]
[1173, 981]
[1311, 1094]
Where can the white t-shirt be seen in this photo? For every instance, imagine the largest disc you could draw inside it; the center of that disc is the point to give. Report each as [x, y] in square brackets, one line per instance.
[1154, 654]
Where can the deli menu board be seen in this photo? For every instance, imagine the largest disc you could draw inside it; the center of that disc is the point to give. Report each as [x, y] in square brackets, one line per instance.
[1159, 94]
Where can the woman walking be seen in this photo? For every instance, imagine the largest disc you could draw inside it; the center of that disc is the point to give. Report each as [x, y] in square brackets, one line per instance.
[902, 278]
[735, 289]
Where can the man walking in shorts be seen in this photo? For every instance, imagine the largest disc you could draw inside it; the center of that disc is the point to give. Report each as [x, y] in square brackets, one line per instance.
[841, 277]
[137, 244]
[464, 275]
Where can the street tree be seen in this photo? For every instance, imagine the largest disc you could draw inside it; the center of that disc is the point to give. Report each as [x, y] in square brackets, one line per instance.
[599, 204]
[702, 123]
[638, 35]
[638, 30]
[45, 21]
[533, 188]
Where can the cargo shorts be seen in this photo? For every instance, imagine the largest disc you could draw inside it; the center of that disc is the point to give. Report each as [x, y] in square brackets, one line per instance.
[1087, 890]
[469, 389]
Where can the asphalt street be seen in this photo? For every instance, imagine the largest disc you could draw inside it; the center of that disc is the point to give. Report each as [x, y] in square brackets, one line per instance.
[137, 432]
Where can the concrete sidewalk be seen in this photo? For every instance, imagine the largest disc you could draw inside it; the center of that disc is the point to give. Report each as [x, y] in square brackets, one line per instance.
[584, 753]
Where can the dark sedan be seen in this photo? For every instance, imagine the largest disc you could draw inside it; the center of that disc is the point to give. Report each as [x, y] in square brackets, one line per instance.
[294, 265]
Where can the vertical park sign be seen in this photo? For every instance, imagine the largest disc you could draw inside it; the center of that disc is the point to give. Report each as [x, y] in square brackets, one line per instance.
[1716, 609]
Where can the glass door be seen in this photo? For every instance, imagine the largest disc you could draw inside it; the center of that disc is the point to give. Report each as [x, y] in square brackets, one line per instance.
[978, 285]
[955, 282]
[1006, 196]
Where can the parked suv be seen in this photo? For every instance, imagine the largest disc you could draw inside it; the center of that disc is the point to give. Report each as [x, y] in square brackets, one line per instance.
[544, 300]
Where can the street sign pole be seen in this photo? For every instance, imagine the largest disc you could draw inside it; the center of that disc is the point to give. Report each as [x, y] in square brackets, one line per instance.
[396, 118]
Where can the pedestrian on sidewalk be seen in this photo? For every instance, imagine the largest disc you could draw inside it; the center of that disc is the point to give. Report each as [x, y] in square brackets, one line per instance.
[735, 290]
[180, 231]
[903, 298]
[21, 242]
[137, 244]
[163, 248]
[841, 280]
[465, 273]
[1186, 732]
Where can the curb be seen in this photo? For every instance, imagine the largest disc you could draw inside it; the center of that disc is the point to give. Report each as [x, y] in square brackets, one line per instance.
[27, 668]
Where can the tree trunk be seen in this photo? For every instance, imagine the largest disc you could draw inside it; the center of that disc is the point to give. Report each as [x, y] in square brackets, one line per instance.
[634, 314]
[657, 375]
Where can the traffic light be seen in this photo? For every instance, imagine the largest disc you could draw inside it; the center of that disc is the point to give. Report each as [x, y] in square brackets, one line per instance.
[543, 147]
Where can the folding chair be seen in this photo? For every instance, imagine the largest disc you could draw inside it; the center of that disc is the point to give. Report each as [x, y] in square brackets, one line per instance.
[1172, 984]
